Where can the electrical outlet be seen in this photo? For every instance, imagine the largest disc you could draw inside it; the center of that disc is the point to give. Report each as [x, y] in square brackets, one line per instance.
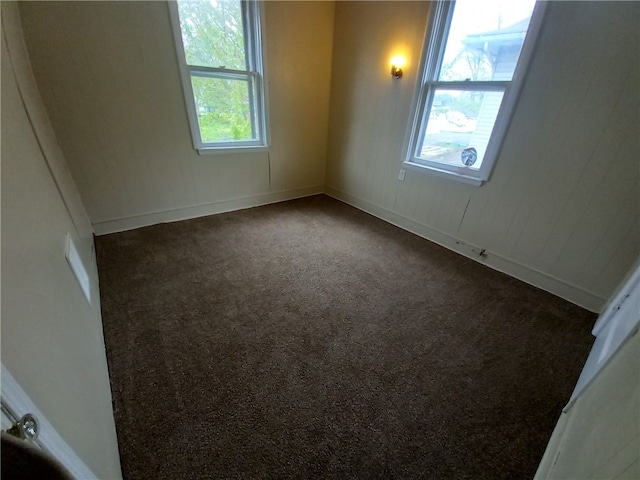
[401, 175]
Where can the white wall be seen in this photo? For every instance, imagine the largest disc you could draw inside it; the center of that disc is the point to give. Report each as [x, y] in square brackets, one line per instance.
[109, 77]
[52, 340]
[561, 210]
[600, 435]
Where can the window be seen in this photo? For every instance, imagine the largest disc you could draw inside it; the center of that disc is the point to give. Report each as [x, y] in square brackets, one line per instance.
[473, 64]
[219, 49]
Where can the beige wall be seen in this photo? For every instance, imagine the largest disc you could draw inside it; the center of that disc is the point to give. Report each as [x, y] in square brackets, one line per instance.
[51, 336]
[109, 77]
[561, 209]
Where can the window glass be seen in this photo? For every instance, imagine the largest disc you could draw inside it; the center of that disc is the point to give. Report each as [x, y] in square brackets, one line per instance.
[223, 107]
[485, 39]
[213, 33]
[460, 120]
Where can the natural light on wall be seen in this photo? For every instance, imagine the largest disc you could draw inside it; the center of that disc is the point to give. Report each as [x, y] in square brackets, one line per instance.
[468, 86]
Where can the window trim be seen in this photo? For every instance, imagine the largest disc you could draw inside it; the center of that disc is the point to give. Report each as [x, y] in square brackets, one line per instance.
[251, 16]
[432, 54]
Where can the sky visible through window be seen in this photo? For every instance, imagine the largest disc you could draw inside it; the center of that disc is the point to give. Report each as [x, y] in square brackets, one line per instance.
[473, 16]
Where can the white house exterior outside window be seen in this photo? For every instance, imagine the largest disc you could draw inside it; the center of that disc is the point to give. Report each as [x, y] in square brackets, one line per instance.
[474, 60]
[219, 49]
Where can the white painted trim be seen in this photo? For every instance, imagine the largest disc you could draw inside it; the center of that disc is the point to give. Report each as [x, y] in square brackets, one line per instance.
[104, 227]
[18, 402]
[231, 150]
[628, 285]
[433, 170]
[537, 278]
[7, 419]
[187, 89]
[617, 324]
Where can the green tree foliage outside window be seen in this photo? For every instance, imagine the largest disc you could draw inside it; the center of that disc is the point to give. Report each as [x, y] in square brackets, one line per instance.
[213, 38]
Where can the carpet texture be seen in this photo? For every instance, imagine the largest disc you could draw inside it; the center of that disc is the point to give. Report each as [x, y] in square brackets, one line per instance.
[307, 339]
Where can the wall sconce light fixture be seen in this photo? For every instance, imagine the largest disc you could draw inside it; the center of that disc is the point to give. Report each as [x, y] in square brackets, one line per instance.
[396, 66]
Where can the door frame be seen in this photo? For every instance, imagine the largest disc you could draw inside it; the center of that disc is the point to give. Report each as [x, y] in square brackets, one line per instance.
[17, 402]
[618, 322]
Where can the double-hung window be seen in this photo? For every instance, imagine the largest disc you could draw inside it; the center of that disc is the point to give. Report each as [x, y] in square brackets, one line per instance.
[474, 59]
[220, 54]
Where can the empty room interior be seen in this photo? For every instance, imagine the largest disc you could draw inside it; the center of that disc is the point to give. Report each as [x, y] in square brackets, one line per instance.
[334, 250]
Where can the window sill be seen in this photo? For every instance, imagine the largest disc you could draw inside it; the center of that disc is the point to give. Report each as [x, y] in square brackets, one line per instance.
[231, 150]
[457, 177]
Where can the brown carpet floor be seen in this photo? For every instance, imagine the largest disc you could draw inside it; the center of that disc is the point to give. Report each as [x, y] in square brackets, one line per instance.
[308, 339]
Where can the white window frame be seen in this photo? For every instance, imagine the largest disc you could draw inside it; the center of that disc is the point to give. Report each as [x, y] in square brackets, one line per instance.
[432, 54]
[251, 17]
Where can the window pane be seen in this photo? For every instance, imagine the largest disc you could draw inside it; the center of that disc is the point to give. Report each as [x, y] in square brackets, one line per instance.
[223, 108]
[485, 39]
[212, 33]
[459, 126]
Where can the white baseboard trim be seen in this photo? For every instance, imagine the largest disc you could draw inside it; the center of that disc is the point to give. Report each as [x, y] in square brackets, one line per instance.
[18, 403]
[544, 281]
[104, 227]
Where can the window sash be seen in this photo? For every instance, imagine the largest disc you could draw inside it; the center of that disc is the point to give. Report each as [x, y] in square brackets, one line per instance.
[253, 74]
[221, 73]
[235, 76]
[431, 88]
[430, 66]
